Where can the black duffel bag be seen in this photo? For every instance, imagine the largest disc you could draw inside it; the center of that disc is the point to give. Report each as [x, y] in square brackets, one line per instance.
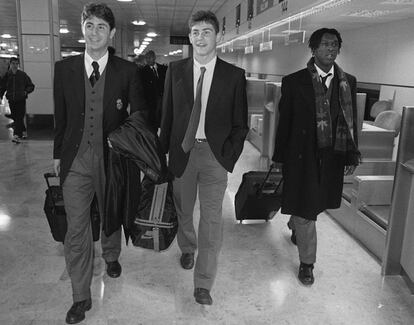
[55, 212]
[155, 225]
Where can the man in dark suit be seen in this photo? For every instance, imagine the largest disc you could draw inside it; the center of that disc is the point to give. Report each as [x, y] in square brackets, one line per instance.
[203, 127]
[153, 77]
[91, 94]
[316, 142]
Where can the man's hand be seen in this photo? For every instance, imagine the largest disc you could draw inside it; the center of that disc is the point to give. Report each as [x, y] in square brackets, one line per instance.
[349, 170]
[56, 166]
[277, 165]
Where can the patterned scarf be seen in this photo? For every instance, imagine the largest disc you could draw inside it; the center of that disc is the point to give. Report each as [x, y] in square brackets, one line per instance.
[344, 142]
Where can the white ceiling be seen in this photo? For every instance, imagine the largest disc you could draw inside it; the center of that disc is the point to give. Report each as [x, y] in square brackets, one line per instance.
[169, 17]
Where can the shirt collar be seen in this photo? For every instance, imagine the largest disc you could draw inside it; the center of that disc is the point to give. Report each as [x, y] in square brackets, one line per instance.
[210, 65]
[102, 62]
[323, 73]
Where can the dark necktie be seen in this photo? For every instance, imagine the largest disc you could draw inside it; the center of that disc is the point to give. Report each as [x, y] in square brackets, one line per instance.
[95, 74]
[189, 136]
[155, 71]
[324, 81]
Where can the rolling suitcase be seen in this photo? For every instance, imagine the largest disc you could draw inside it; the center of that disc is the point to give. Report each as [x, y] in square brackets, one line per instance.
[55, 211]
[259, 195]
[156, 225]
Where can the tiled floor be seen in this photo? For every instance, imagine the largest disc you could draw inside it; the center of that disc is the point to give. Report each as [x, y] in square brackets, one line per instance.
[256, 282]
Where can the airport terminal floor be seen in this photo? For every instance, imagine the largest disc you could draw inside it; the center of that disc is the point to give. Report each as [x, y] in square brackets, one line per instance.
[257, 278]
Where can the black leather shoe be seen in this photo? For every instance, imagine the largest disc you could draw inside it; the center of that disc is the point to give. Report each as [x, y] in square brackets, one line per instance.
[113, 269]
[76, 313]
[293, 236]
[187, 261]
[306, 274]
[202, 296]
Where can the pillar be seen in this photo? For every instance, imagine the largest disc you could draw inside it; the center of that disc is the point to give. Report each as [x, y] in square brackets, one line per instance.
[39, 48]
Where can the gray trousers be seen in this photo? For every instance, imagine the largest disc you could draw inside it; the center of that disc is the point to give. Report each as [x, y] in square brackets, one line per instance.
[203, 172]
[305, 238]
[85, 178]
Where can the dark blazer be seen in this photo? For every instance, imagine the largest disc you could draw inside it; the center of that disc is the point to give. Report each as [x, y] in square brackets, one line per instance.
[153, 92]
[226, 113]
[122, 88]
[309, 186]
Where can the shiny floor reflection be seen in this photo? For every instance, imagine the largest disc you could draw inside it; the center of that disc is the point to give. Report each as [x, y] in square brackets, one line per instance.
[256, 283]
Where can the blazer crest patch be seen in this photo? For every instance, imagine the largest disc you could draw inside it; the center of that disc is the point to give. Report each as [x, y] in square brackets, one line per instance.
[119, 104]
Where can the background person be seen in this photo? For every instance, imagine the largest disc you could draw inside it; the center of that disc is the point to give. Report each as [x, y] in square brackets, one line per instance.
[153, 77]
[17, 85]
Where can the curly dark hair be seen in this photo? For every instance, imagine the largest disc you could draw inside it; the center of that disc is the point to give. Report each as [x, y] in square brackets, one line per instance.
[204, 16]
[316, 37]
[99, 10]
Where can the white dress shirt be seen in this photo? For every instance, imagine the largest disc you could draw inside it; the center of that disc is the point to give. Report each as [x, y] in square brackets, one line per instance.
[323, 74]
[88, 63]
[208, 77]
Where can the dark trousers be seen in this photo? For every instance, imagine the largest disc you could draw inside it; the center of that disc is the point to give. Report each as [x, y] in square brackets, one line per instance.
[205, 174]
[306, 238]
[18, 111]
[85, 178]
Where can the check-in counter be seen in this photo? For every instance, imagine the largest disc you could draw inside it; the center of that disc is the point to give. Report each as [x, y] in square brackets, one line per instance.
[376, 143]
[270, 118]
[399, 251]
[255, 89]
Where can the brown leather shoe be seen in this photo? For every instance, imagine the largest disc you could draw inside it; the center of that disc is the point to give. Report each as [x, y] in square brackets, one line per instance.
[187, 261]
[202, 296]
[306, 274]
[76, 313]
[113, 269]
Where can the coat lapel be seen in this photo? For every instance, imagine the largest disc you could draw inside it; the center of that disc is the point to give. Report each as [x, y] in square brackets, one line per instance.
[307, 91]
[78, 69]
[111, 79]
[217, 85]
[187, 81]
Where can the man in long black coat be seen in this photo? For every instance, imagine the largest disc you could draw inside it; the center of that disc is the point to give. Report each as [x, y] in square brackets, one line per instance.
[316, 142]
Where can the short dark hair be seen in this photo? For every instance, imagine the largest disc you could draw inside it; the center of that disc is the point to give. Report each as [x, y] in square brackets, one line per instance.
[14, 59]
[204, 16]
[316, 37]
[99, 10]
[150, 53]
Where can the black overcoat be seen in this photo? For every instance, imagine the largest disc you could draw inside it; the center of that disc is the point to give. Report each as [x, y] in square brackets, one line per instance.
[313, 181]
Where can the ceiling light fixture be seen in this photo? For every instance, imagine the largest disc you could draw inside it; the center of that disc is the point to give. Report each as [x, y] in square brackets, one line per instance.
[138, 22]
[152, 34]
[6, 36]
[124, 0]
[63, 30]
[145, 43]
[147, 39]
[81, 41]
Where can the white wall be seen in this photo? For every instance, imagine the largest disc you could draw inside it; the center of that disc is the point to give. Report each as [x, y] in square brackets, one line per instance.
[380, 54]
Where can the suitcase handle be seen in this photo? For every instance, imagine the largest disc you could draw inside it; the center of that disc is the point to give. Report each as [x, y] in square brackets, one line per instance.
[47, 176]
[260, 189]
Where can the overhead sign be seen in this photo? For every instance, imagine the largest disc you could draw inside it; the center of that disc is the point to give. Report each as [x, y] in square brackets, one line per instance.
[248, 49]
[266, 46]
[179, 40]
